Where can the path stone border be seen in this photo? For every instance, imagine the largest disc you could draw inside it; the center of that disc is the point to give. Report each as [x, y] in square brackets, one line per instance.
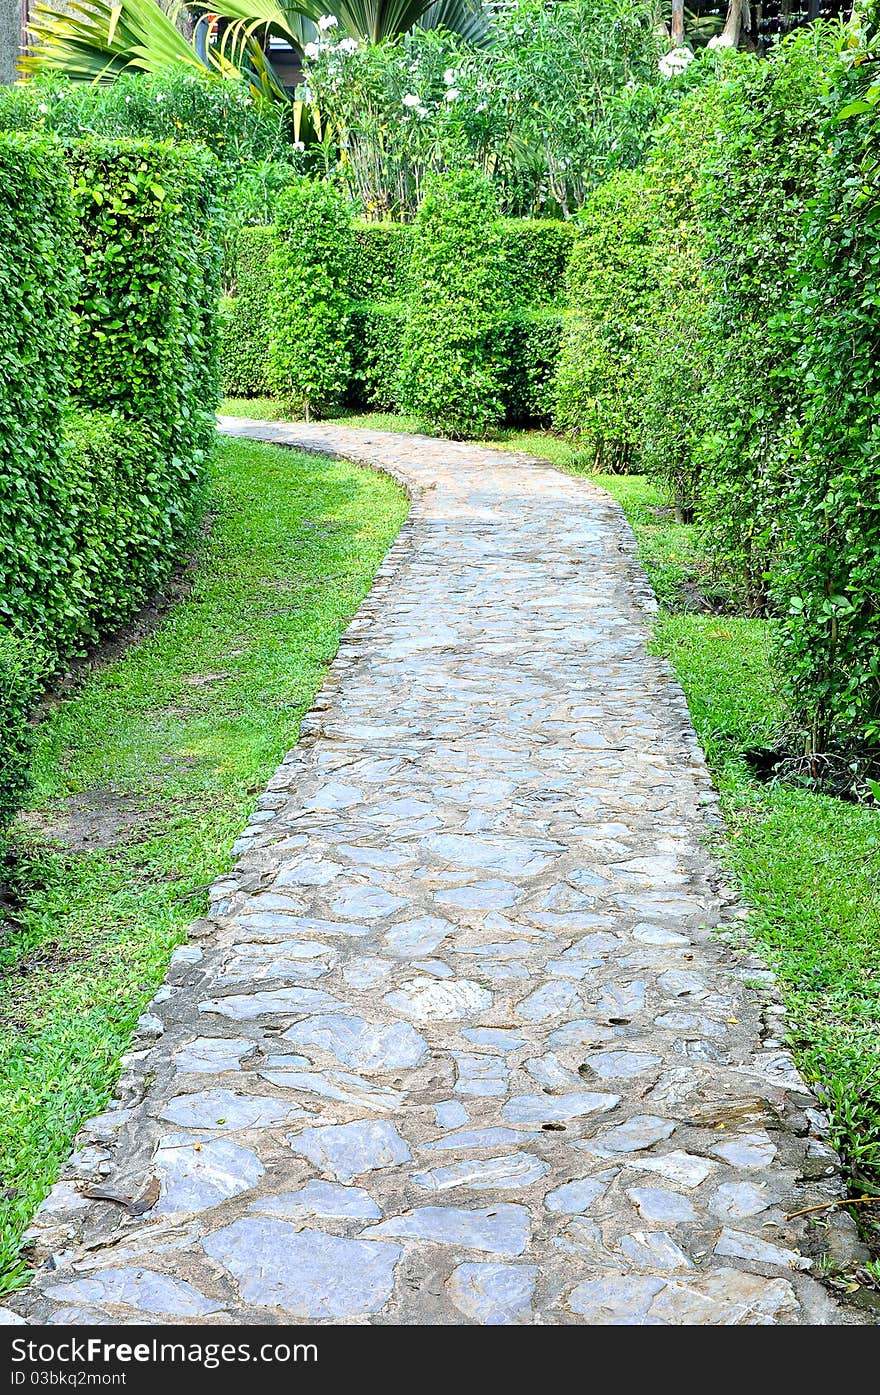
[457, 1041]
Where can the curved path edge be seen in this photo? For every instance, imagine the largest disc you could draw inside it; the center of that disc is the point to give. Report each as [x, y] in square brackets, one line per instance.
[471, 1032]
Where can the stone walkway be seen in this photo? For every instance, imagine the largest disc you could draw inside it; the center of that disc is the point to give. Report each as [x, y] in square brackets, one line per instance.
[457, 1043]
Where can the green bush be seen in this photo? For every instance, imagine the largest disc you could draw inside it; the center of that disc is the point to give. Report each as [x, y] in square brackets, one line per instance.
[246, 316]
[19, 682]
[759, 177]
[537, 252]
[381, 258]
[452, 367]
[146, 346]
[37, 290]
[675, 345]
[116, 521]
[532, 349]
[175, 105]
[310, 350]
[826, 581]
[377, 340]
[597, 392]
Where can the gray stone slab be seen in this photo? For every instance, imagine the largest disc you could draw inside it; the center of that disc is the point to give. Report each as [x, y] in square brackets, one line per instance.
[348, 1151]
[368, 1046]
[305, 1273]
[494, 1295]
[502, 1229]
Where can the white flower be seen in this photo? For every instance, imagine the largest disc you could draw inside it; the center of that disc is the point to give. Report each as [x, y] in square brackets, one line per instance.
[449, 77]
[411, 100]
[348, 45]
[452, 93]
[128, 99]
[327, 22]
[719, 41]
[482, 106]
[675, 62]
[422, 112]
[312, 50]
[44, 110]
[299, 145]
[160, 96]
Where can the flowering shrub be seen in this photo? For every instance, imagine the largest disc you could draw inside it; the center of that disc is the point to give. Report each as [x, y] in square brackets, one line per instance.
[561, 96]
[310, 346]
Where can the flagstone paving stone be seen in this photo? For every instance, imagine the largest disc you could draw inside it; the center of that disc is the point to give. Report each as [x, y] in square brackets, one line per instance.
[473, 950]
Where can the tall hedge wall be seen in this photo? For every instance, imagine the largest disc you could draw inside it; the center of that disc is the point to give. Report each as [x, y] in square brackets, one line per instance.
[109, 278]
[534, 253]
[725, 322]
[38, 286]
[245, 322]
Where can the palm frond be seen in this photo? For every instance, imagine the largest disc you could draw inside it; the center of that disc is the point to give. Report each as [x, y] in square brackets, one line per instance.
[95, 41]
[467, 18]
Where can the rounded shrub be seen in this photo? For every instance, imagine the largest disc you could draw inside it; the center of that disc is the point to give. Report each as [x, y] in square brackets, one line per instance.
[453, 362]
[310, 304]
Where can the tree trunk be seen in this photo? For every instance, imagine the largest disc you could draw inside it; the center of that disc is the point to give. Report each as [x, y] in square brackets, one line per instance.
[677, 35]
[737, 15]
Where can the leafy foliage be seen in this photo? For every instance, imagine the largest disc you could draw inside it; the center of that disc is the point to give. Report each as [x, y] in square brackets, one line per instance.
[146, 339]
[538, 251]
[597, 394]
[377, 339]
[381, 259]
[310, 355]
[533, 342]
[676, 348]
[246, 316]
[36, 251]
[95, 507]
[562, 95]
[19, 681]
[828, 578]
[757, 182]
[452, 365]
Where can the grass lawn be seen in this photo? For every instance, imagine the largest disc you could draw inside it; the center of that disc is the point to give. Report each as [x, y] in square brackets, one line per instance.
[808, 865]
[166, 749]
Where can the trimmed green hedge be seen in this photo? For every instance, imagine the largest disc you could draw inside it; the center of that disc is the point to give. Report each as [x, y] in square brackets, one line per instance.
[533, 253]
[452, 367]
[534, 341]
[377, 342]
[246, 316]
[147, 345]
[827, 581]
[116, 518]
[537, 252]
[382, 253]
[19, 684]
[109, 278]
[609, 291]
[37, 288]
[310, 270]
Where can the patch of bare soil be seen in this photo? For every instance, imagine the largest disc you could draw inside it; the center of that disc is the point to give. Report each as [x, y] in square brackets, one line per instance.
[95, 819]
